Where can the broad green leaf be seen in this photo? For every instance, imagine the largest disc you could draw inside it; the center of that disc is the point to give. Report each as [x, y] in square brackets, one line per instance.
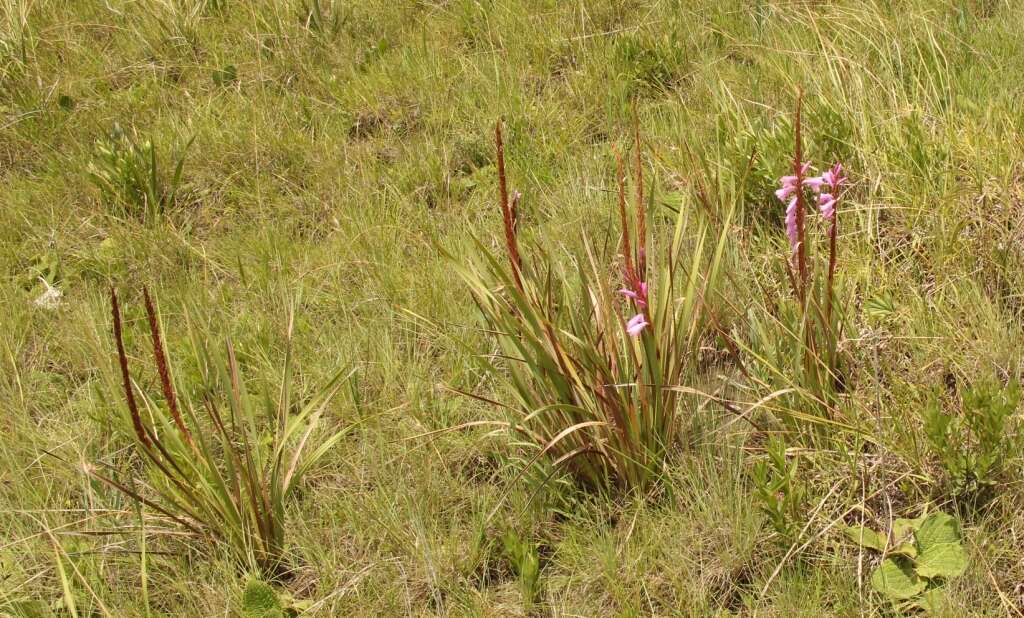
[260, 601]
[880, 307]
[939, 550]
[902, 528]
[896, 579]
[865, 537]
[932, 601]
[906, 549]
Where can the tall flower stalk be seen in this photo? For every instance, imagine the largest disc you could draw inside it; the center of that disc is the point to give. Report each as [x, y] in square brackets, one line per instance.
[812, 270]
[599, 358]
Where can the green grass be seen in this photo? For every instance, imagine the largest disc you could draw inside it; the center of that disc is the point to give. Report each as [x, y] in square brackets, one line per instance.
[342, 150]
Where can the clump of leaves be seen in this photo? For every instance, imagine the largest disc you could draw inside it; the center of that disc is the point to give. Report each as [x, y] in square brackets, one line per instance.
[44, 270]
[524, 556]
[918, 555]
[127, 172]
[648, 62]
[227, 479]
[261, 600]
[16, 41]
[225, 76]
[599, 373]
[321, 18]
[973, 447]
[781, 495]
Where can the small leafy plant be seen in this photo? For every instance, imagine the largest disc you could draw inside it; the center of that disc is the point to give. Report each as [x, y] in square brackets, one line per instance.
[524, 557]
[228, 479]
[126, 171]
[261, 600]
[321, 18]
[974, 447]
[917, 557]
[781, 495]
[599, 373]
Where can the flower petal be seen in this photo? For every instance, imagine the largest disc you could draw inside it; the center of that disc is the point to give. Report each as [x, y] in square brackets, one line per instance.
[827, 205]
[791, 231]
[784, 193]
[815, 182]
[636, 325]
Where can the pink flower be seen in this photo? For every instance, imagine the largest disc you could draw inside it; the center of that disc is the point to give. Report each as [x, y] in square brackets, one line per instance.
[636, 325]
[827, 187]
[789, 184]
[815, 182]
[834, 177]
[827, 204]
[791, 231]
[638, 295]
[788, 189]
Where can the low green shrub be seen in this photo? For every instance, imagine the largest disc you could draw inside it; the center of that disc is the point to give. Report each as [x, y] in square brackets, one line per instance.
[974, 447]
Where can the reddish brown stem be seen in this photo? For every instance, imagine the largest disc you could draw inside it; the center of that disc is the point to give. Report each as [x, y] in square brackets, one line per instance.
[626, 248]
[133, 408]
[641, 218]
[832, 259]
[508, 211]
[160, 355]
[801, 205]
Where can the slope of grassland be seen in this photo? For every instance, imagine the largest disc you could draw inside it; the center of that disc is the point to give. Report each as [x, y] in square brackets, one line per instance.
[336, 150]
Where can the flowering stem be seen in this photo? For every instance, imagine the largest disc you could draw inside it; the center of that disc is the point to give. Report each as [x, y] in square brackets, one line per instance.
[798, 171]
[626, 248]
[832, 259]
[641, 219]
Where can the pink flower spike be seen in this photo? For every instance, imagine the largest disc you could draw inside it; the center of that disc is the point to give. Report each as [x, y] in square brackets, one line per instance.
[636, 325]
[791, 224]
[834, 177]
[789, 184]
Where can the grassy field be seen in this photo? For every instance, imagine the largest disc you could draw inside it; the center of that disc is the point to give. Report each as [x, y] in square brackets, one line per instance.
[332, 152]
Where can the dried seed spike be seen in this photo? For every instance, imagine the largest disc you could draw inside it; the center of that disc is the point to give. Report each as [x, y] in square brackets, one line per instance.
[126, 379]
[160, 355]
[511, 242]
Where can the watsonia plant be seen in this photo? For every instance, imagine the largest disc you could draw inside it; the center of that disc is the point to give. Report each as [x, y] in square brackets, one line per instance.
[598, 371]
[799, 348]
[229, 478]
